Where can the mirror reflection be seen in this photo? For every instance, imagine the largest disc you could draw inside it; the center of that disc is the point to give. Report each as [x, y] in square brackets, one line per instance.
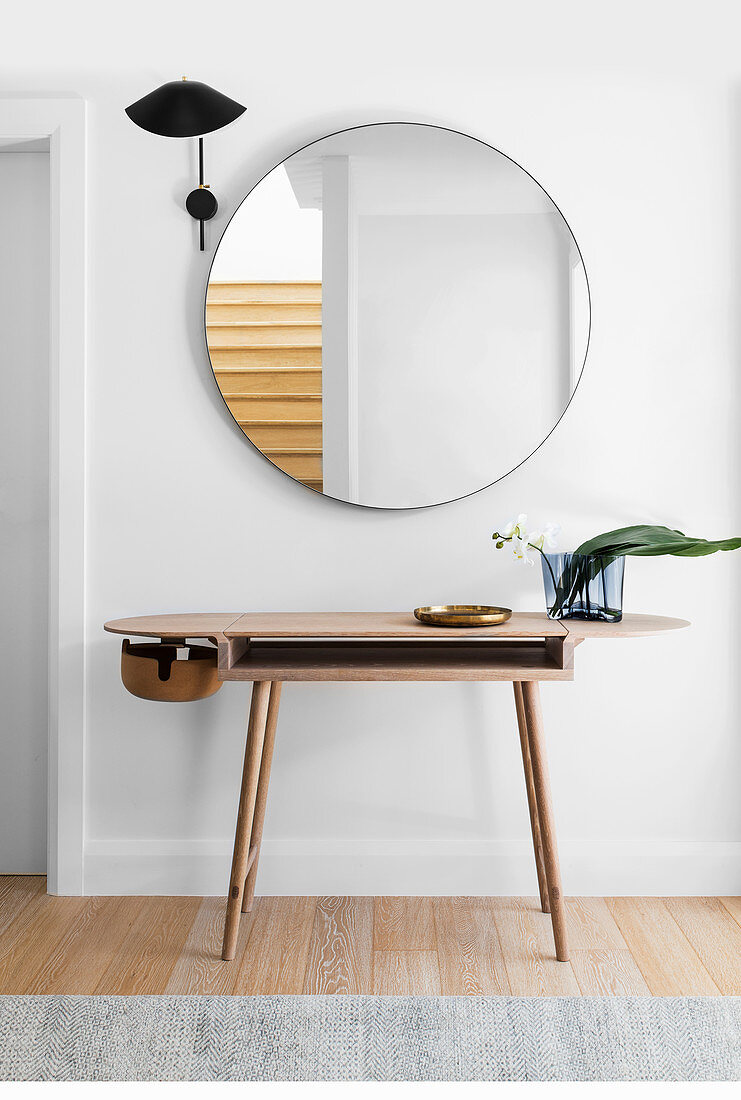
[397, 315]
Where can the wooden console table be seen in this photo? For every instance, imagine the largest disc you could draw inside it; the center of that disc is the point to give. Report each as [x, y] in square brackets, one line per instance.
[271, 649]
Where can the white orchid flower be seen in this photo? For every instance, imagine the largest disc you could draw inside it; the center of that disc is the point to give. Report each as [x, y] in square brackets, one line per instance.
[520, 549]
[521, 541]
[551, 531]
[516, 527]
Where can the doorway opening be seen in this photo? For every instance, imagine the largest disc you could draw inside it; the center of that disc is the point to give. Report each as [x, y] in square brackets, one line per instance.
[24, 503]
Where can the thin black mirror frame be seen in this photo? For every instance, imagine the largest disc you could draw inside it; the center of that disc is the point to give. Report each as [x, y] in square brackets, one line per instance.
[481, 488]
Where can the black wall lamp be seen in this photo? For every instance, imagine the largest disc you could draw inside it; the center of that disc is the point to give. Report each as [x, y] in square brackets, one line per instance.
[188, 108]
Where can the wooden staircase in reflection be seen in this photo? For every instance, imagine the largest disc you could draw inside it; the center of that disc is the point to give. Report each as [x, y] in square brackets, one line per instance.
[265, 343]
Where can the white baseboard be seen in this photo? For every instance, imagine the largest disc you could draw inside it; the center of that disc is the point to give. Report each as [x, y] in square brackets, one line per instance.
[415, 867]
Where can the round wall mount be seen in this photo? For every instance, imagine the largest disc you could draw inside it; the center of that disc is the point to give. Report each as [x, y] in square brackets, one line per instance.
[201, 204]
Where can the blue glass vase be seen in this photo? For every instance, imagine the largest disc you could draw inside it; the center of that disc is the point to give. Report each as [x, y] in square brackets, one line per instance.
[584, 586]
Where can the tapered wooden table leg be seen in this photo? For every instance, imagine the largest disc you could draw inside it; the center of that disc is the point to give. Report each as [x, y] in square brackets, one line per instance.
[536, 742]
[532, 802]
[250, 777]
[262, 795]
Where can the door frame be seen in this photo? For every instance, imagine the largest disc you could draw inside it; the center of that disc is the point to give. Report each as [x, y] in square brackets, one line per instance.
[62, 121]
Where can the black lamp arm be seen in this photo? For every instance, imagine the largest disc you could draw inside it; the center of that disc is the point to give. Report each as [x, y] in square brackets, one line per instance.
[201, 204]
[200, 184]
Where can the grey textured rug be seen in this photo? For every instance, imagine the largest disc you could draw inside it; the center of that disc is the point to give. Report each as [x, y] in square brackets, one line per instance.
[64, 1038]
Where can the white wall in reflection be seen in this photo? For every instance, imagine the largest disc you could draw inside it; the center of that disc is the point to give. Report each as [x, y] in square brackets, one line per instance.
[271, 238]
[461, 364]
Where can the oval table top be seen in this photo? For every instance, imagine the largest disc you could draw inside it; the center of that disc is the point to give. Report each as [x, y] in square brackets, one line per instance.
[378, 624]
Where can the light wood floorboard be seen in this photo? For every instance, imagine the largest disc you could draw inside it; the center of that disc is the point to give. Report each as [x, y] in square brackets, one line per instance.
[468, 948]
[715, 936]
[199, 968]
[608, 973]
[87, 949]
[341, 952]
[277, 949]
[403, 924]
[32, 942]
[386, 945]
[529, 954]
[152, 947]
[733, 905]
[16, 894]
[399, 973]
[665, 956]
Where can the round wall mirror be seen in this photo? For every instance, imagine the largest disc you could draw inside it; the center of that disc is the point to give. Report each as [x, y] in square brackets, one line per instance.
[397, 315]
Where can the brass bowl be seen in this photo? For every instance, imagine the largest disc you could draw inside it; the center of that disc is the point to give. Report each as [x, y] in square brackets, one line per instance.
[463, 614]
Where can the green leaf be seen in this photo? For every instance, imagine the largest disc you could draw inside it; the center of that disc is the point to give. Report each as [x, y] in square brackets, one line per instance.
[646, 540]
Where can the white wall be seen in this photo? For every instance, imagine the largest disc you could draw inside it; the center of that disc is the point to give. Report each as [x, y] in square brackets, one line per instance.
[417, 787]
[24, 505]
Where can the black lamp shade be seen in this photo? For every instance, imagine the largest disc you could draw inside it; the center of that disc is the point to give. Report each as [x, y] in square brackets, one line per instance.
[184, 108]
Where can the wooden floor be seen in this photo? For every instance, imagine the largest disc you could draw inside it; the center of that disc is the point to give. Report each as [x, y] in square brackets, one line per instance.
[659, 946]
